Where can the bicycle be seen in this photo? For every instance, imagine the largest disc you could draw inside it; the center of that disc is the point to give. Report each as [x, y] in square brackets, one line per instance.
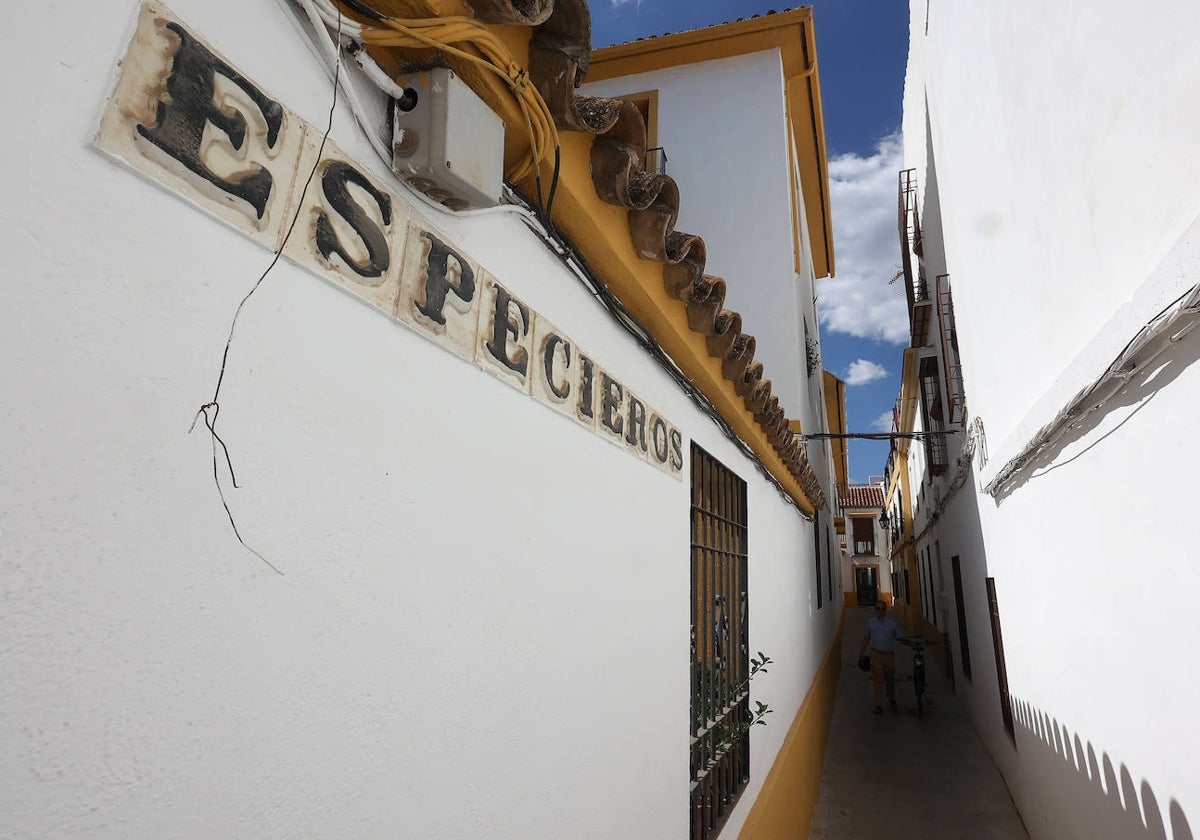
[918, 678]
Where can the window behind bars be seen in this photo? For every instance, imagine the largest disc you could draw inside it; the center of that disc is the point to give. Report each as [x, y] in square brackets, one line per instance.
[720, 697]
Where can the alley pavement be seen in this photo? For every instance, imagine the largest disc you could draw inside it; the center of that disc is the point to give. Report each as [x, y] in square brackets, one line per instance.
[898, 777]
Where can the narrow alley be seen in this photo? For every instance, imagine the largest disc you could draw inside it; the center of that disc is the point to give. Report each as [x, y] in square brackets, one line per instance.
[899, 777]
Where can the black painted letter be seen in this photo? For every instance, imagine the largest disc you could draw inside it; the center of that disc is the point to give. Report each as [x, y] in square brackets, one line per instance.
[658, 439]
[635, 434]
[611, 395]
[189, 106]
[554, 341]
[333, 183]
[504, 325]
[587, 394]
[676, 450]
[437, 282]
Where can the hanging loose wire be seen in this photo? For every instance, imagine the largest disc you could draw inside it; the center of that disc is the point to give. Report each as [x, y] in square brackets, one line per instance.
[460, 37]
[211, 410]
[539, 124]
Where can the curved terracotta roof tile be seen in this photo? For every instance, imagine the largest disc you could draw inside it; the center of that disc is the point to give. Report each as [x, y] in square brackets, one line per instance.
[706, 299]
[524, 12]
[739, 354]
[560, 54]
[749, 379]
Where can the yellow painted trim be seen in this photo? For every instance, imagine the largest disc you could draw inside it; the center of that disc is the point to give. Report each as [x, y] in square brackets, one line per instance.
[835, 418]
[792, 34]
[909, 395]
[793, 172]
[785, 804]
[601, 232]
[912, 610]
[650, 97]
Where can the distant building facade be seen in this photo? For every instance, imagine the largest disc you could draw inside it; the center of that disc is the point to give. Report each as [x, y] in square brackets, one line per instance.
[1049, 225]
[866, 573]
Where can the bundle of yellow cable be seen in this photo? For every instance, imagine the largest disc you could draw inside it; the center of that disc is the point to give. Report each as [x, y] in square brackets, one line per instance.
[485, 50]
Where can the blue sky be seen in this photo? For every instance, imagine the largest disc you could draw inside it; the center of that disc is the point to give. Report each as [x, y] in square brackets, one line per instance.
[862, 46]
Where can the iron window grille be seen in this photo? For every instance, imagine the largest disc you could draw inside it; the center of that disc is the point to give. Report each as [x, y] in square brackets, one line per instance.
[720, 655]
[949, 333]
[963, 644]
[817, 556]
[1001, 666]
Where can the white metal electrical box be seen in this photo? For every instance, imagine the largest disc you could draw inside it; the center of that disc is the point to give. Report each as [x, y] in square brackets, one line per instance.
[446, 141]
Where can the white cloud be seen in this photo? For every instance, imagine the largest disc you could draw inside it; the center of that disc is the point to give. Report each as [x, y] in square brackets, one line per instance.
[616, 4]
[883, 423]
[863, 371]
[859, 301]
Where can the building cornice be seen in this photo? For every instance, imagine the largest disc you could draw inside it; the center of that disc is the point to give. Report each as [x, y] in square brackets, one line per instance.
[792, 34]
[622, 219]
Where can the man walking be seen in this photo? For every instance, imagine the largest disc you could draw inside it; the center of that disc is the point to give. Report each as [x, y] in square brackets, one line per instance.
[881, 637]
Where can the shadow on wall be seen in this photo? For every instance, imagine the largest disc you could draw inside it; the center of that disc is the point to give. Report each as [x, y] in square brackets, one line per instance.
[1100, 805]
[1141, 387]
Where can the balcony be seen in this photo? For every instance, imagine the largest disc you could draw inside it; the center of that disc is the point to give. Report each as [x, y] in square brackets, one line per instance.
[949, 334]
[864, 547]
[656, 160]
[916, 288]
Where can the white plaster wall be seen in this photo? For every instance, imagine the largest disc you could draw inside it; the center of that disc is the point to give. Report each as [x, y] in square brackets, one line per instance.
[736, 194]
[1066, 165]
[483, 623]
[1065, 148]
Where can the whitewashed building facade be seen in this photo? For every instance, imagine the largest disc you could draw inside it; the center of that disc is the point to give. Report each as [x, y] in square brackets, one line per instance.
[1055, 187]
[462, 592]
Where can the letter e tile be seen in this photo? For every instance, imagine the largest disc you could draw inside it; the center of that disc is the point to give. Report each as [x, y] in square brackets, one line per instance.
[504, 347]
[183, 117]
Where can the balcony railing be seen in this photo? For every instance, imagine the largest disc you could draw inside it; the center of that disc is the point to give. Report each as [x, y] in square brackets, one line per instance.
[656, 160]
[864, 546]
[954, 377]
[916, 288]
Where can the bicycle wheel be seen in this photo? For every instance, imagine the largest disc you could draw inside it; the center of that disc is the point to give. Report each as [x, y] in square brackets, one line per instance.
[919, 687]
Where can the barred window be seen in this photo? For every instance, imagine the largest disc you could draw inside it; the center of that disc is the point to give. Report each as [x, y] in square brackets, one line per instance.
[720, 699]
[817, 554]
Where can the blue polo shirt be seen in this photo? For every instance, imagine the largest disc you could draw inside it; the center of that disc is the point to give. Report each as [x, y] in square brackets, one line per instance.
[883, 633]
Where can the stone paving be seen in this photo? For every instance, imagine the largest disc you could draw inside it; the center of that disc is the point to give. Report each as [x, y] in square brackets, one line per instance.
[896, 777]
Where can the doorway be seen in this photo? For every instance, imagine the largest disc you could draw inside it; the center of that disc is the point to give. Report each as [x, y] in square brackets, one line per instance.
[866, 584]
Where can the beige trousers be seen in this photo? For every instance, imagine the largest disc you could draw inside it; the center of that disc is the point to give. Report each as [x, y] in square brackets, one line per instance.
[883, 675]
